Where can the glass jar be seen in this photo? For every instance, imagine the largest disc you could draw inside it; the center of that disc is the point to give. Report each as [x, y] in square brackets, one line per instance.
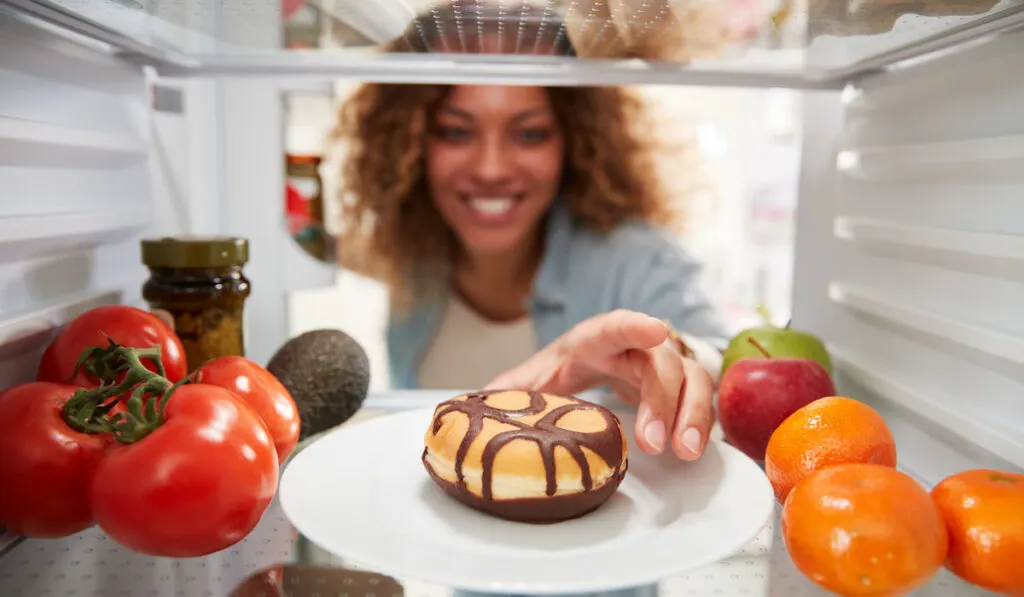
[306, 215]
[197, 285]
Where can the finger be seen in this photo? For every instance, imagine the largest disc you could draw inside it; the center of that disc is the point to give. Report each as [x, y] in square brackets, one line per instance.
[596, 350]
[697, 413]
[661, 379]
[613, 333]
[587, 354]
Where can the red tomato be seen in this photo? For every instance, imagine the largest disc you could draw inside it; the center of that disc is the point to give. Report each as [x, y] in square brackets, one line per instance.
[258, 387]
[126, 325]
[46, 465]
[48, 370]
[196, 484]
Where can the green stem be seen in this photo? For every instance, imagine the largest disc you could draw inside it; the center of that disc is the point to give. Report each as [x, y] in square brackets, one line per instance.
[144, 415]
[94, 362]
[87, 411]
[154, 354]
[105, 363]
[87, 414]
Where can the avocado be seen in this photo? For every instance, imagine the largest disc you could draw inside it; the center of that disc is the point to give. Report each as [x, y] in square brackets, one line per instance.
[328, 375]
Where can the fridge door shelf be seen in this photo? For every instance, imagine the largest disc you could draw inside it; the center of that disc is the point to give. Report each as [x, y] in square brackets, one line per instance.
[240, 38]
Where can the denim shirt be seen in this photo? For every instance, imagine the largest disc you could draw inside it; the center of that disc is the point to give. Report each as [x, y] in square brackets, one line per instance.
[582, 273]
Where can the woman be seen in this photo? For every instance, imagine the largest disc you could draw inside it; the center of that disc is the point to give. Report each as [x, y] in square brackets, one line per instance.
[519, 231]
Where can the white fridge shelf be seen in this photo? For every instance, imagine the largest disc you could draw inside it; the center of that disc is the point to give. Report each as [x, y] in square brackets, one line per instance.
[794, 49]
[34, 236]
[85, 147]
[988, 245]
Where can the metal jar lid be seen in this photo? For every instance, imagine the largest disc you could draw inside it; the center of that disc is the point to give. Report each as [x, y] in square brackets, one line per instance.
[195, 251]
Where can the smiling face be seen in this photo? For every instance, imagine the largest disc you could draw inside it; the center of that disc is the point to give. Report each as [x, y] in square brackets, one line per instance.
[495, 158]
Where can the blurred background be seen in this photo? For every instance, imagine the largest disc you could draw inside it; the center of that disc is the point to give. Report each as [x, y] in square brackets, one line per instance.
[730, 158]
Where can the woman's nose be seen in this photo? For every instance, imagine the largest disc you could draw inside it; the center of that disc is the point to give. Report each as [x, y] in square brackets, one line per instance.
[494, 162]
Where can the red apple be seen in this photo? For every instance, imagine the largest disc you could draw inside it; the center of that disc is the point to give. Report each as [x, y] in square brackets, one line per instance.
[755, 395]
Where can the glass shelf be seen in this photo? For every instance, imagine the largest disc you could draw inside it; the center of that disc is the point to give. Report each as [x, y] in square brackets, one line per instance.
[276, 560]
[787, 43]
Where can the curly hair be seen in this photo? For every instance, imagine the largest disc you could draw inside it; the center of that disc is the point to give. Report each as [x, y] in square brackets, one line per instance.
[391, 230]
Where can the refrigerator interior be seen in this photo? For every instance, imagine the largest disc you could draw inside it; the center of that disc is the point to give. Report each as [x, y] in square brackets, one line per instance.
[126, 119]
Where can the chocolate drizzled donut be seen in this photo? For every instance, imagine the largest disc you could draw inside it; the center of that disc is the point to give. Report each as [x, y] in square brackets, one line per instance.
[607, 443]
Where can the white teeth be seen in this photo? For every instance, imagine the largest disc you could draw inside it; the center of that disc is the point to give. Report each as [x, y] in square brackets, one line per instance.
[492, 206]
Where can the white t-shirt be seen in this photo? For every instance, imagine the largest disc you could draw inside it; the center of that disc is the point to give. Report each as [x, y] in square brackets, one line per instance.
[468, 351]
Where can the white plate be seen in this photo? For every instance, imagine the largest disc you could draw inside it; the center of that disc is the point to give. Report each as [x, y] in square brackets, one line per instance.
[362, 494]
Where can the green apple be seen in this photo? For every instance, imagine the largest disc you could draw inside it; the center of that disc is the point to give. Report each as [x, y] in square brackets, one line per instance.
[778, 342]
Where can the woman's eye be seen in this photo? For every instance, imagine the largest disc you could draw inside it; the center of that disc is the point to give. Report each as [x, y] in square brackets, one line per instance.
[451, 133]
[534, 135]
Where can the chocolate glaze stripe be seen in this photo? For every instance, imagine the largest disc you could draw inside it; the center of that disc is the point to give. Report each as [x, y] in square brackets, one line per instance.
[606, 443]
[476, 410]
[547, 435]
[547, 446]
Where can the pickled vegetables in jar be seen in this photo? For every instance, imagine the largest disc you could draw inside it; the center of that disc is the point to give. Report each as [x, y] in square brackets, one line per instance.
[197, 285]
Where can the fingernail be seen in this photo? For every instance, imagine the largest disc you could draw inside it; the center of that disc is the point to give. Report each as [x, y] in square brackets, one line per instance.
[654, 433]
[691, 439]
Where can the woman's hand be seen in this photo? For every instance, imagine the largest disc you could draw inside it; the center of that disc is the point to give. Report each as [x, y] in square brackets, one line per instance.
[633, 354]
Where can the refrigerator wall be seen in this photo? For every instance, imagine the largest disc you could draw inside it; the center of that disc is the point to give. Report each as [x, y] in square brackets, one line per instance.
[80, 182]
[910, 252]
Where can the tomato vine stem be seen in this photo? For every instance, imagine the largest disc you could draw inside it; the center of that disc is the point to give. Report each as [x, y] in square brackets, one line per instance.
[143, 416]
[88, 410]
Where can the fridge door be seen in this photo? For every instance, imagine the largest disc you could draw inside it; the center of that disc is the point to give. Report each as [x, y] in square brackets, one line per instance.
[910, 252]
